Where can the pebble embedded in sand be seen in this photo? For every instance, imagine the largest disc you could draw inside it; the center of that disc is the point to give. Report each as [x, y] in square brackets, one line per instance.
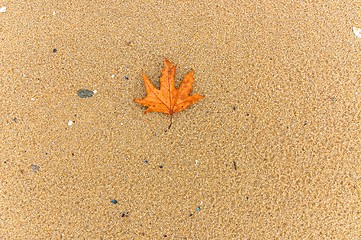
[357, 31]
[85, 93]
[35, 168]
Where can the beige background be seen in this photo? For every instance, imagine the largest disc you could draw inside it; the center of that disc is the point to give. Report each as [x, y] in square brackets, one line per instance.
[291, 70]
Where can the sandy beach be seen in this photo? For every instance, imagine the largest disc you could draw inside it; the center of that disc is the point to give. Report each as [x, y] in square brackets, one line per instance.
[273, 150]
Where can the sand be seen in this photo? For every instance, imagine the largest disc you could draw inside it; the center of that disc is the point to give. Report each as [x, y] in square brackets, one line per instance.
[271, 152]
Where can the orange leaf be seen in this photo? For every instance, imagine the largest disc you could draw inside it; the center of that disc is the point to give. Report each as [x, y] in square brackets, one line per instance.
[169, 99]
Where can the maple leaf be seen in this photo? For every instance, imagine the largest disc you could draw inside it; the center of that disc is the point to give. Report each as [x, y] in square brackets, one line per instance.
[168, 99]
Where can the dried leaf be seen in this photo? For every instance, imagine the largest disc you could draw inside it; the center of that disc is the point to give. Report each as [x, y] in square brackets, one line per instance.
[169, 99]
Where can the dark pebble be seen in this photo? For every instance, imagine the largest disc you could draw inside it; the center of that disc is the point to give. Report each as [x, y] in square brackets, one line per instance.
[85, 93]
[125, 214]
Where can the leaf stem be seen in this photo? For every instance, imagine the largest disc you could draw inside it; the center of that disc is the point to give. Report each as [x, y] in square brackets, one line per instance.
[171, 121]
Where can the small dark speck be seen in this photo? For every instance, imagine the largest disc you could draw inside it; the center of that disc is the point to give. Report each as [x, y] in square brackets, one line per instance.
[165, 235]
[125, 214]
[198, 209]
[55, 50]
[161, 166]
[4, 162]
[234, 108]
[35, 168]
[146, 161]
[129, 43]
[247, 114]
[126, 77]
[247, 197]
[15, 119]
[114, 201]
[85, 93]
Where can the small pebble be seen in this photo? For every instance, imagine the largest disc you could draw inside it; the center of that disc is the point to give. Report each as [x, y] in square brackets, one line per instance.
[3, 9]
[35, 168]
[70, 123]
[125, 214]
[357, 31]
[54, 50]
[114, 201]
[85, 93]
[129, 43]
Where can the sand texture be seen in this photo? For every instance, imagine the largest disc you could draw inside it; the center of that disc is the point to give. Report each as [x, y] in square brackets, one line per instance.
[273, 151]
